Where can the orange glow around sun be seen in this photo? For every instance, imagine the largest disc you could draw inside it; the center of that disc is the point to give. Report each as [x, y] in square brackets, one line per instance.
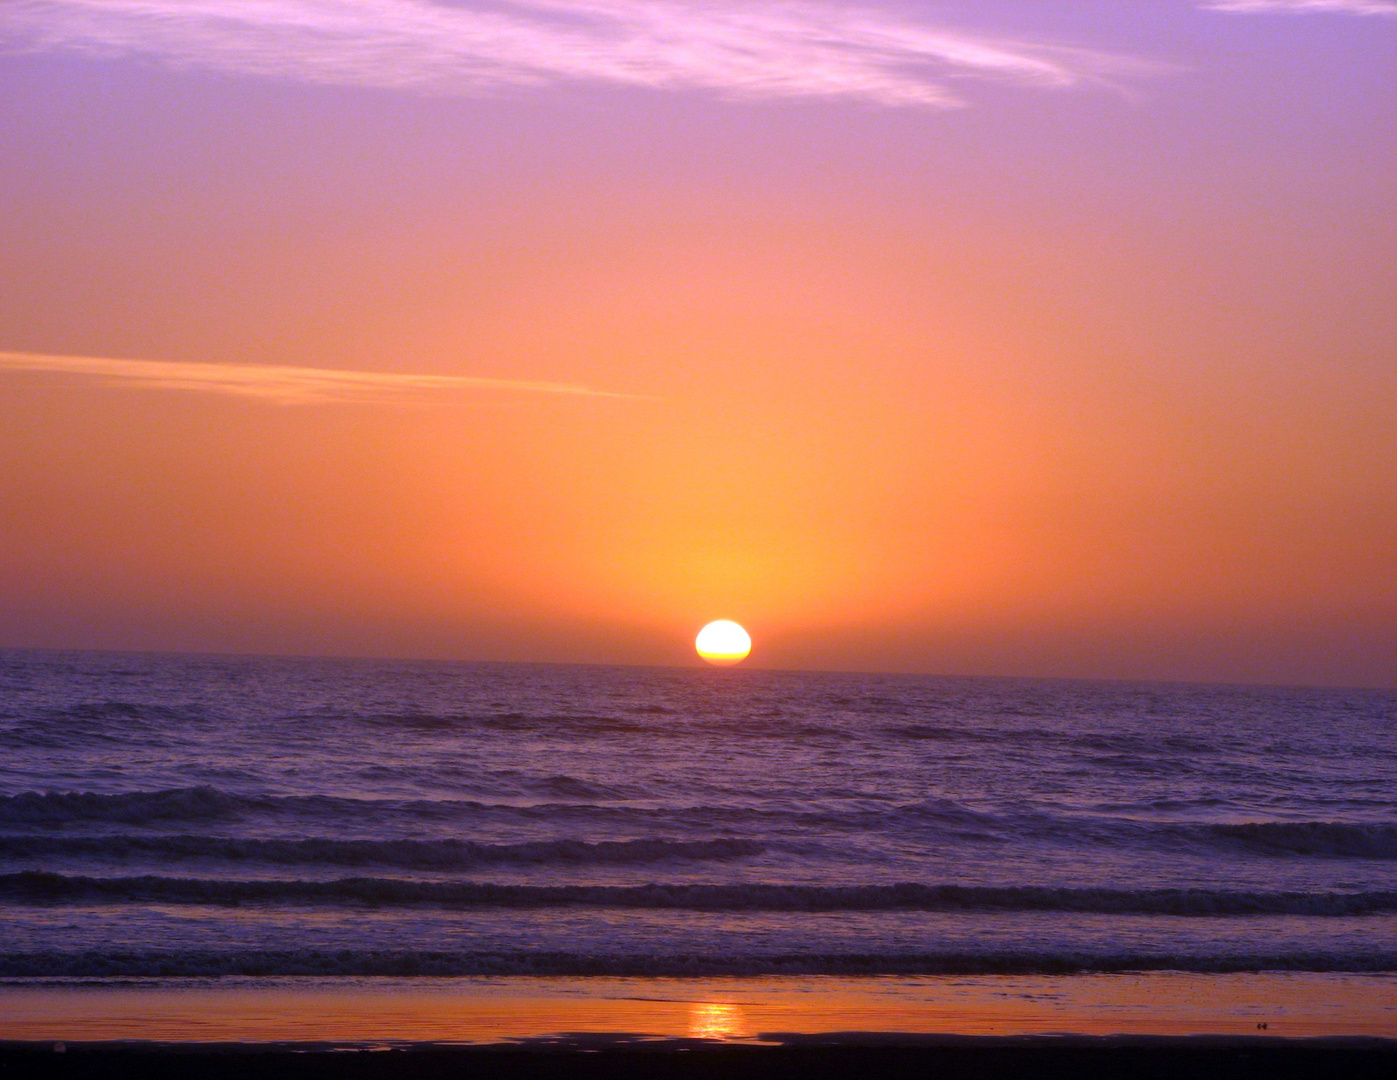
[909, 390]
[723, 643]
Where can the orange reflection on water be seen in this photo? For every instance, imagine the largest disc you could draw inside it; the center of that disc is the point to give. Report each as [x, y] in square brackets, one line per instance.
[716, 1020]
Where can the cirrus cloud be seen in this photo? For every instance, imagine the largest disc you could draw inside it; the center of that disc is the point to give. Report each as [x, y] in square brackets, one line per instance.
[281, 385]
[784, 49]
[1298, 7]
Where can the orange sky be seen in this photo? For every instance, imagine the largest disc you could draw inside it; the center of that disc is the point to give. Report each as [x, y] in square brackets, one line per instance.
[1092, 380]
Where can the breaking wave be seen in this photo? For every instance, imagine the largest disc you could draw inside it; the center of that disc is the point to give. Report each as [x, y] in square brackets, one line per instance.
[43, 887]
[406, 963]
[412, 854]
[205, 803]
[1376, 840]
[130, 808]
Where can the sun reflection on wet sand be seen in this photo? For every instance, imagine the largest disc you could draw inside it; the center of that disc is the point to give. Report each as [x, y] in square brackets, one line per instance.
[501, 1009]
[716, 1020]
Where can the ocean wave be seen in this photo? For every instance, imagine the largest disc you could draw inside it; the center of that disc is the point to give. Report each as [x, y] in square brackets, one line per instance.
[1173, 748]
[95, 722]
[933, 817]
[571, 787]
[134, 807]
[758, 723]
[38, 887]
[406, 963]
[567, 802]
[1364, 840]
[207, 803]
[549, 723]
[410, 854]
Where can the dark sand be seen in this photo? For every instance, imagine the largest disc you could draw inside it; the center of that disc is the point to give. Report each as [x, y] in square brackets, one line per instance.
[847, 1057]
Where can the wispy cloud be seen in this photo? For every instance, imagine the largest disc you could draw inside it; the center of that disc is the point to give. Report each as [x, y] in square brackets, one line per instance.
[738, 48]
[1296, 7]
[282, 385]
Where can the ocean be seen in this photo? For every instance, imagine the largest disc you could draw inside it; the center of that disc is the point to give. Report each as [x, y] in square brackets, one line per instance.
[206, 816]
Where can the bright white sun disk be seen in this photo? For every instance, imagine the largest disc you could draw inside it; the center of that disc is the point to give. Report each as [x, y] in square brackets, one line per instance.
[723, 642]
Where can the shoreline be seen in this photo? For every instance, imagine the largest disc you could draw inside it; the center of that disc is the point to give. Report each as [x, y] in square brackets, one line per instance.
[539, 1010]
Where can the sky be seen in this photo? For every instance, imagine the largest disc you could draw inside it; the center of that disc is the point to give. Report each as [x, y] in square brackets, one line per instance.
[984, 338]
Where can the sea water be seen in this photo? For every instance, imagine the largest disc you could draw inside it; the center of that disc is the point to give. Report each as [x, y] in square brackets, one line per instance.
[234, 816]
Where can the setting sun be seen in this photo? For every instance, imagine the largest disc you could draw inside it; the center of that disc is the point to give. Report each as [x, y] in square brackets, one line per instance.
[723, 642]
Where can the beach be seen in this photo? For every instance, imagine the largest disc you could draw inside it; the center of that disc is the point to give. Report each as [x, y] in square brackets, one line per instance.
[1151, 1025]
[535, 867]
[772, 1010]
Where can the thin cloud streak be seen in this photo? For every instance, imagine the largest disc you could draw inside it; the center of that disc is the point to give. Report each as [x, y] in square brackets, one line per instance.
[284, 385]
[791, 49]
[1300, 7]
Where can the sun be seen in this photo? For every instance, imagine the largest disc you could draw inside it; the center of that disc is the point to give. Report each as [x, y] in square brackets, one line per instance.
[723, 643]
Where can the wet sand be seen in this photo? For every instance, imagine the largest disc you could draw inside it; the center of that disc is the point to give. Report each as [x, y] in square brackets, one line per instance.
[482, 1011]
[1153, 1024]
